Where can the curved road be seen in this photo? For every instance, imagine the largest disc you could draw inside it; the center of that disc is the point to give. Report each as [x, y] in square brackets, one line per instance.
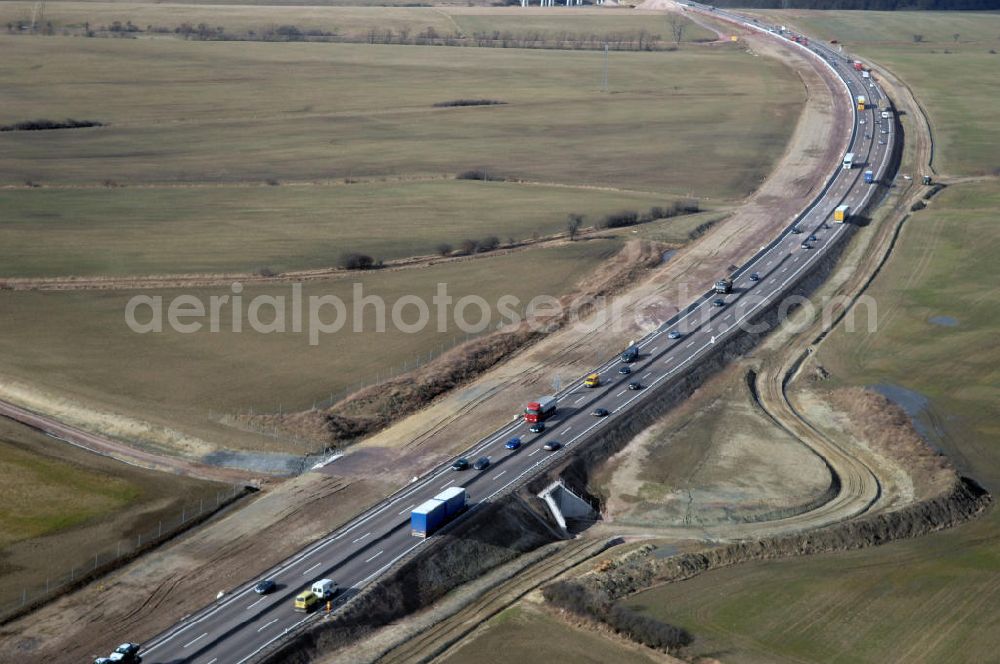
[240, 626]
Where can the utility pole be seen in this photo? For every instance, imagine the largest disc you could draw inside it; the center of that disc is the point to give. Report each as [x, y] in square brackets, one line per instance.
[604, 86]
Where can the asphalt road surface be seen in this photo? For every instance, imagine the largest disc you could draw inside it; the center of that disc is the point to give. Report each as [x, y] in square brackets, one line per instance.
[236, 628]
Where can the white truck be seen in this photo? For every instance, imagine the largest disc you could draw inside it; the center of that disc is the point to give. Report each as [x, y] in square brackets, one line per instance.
[324, 588]
[848, 161]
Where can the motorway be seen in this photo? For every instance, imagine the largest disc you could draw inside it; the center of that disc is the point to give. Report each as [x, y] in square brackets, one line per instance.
[239, 626]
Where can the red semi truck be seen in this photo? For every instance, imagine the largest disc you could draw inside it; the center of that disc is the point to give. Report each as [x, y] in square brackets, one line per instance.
[540, 410]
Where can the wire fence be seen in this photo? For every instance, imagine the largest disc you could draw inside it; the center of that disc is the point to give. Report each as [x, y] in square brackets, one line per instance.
[120, 552]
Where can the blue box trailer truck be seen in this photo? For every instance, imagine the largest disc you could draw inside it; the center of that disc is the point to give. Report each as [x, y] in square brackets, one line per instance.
[453, 499]
[869, 177]
[430, 515]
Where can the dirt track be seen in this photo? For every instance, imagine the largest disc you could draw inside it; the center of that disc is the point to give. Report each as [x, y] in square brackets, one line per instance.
[118, 450]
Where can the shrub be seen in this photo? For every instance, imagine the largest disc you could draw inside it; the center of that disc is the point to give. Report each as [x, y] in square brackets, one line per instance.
[621, 219]
[356, 261]
[646, 630]
[489, 243]
[469, 246]
[469, 102]
[42, 125]
[265, 271]
[443, 249]
[479, 174]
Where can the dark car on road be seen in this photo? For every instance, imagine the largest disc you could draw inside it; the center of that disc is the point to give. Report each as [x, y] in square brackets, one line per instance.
[537, 427]
[460, 464]
[718, 303]
[674, 334]
[635, 385]
[264, 586]
[600, 412]
[796, 230]
[482, 463]
[624, 370]
[754, 277]
[552, 446]
[513, 444]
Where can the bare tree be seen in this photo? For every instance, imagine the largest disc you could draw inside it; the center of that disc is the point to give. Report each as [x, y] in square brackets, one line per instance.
[918, 38]
[956, 36]
[677, 27]
[573, 223]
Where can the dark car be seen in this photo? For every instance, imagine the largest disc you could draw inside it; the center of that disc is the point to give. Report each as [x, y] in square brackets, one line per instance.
[805, 245]
[264, 586]
[813, 238]
[718, 303]
[796, 230]
[537, 427]
[552, 446]
[624, 370]
[600, 412]
[461, 464]
[635, 386]
[513, 444]
[482, 463]
[674, 334]
[127, 649]
[754, 277]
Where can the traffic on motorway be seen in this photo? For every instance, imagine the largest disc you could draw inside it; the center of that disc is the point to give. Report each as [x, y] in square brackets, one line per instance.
[239, 626]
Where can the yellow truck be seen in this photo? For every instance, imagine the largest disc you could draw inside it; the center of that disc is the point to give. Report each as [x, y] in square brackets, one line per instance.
[593, 380]
[841, 214]
[306, 601]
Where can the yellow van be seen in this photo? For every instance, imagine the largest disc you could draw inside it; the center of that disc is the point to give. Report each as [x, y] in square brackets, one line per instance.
[306, 601]
[593, 380]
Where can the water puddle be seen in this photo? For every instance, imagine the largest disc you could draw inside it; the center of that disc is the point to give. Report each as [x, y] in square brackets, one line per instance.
[943, 321]
[916, 406]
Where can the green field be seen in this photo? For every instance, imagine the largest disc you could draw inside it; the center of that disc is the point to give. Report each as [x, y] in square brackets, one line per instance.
[77, 344]
[932, 599]
[527, 635]
[956, 80]
[43, 495]
[61, 505]
[240, 229]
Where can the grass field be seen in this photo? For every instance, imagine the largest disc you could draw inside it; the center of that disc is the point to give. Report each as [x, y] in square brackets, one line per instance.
[78, 345]
[61, 505]
[189, 127]
[956, 80]
[182, 112]
[932, 599]
[240, 229]
[356, 21]
[525, 634]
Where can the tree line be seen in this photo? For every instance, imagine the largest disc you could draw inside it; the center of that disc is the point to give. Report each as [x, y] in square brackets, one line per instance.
[629, 40]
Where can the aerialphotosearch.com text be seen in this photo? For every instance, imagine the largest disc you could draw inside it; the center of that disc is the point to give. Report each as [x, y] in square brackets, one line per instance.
[320, 315]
